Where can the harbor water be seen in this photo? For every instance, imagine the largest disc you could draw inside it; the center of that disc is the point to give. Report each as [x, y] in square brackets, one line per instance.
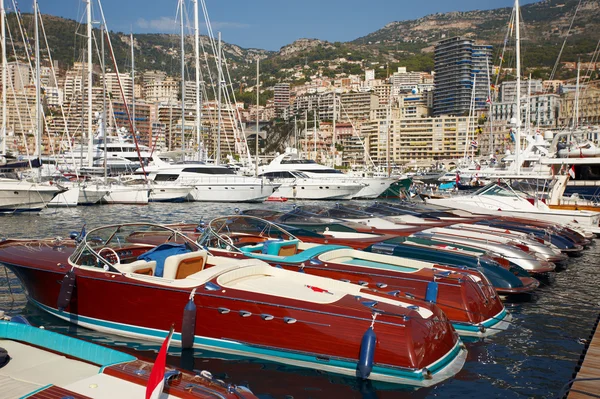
[535, 358]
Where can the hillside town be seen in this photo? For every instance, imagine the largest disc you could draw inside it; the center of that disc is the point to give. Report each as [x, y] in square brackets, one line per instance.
[427, 117]
[411, 213]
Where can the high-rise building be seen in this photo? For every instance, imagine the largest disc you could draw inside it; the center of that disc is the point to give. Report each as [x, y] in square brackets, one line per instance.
[458, 63]
[281, 97]
[508, 90]
[18, 76]
[114, 89]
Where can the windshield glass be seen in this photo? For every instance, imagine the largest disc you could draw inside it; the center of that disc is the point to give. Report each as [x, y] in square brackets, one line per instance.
[108, 246]
[233, 232]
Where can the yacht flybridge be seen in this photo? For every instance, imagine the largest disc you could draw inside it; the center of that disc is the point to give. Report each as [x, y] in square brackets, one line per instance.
[121, 154]
[214, 183]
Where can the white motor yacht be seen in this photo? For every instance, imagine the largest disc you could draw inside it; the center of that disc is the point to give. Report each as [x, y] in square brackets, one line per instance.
[299, 186]
[503, 200]
[211, 183]
[372, 186]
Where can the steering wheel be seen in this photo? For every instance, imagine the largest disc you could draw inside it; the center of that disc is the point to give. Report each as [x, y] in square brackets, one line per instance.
[228, 239]
[113, 252]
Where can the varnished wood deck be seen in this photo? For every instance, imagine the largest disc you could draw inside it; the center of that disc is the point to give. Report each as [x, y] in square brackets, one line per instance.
[587, 383]
[55, 392]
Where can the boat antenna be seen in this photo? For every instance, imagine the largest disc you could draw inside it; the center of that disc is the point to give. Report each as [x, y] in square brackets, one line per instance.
[104, 101]
[257, 106]
[3, 39]
[38, 92]
[182, 80]
[518, 55]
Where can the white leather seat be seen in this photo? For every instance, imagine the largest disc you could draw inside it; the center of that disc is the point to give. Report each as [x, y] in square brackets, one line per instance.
[138, 265]
[173, 262]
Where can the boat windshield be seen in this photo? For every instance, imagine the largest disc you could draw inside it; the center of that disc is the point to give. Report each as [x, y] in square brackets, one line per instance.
[300, 175]
[500, 191]
[104, 247]
[233, 232]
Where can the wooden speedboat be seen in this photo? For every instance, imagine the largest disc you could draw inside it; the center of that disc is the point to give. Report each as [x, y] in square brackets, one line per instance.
[36, 363]
[466, 296]
[111, 281]
[506, 279]
[504, 254]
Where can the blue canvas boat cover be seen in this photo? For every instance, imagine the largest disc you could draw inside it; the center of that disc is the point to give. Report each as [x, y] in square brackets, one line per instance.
[162, 252]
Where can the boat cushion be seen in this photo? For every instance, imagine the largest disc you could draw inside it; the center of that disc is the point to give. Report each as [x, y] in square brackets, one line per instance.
[182, 265]
[299, 257]
[162, 252]
[138, 267]
[280, 247]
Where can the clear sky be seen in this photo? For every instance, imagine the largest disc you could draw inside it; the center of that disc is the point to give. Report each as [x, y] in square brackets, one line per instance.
[265, 24]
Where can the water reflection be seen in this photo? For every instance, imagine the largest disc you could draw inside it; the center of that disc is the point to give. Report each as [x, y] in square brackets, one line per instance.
[534, 358]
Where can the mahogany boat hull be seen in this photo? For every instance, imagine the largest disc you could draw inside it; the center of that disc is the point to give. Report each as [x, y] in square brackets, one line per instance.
[239, 322]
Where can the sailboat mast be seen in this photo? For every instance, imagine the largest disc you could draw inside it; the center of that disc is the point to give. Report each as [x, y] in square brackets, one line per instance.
[257, 105]
[387, 144]
[518, 57]
[528, 110]
[490, 100]
[38, 92]
[133, 85]
[315, 131]
[220, 78]
[4, 70]
[89, 84]
[306, 142]
[197, 63]
[333, 136]
[576, 119]
[182, 77]
[104, 138]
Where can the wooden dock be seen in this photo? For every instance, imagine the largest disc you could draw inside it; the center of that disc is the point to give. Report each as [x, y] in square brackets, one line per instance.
[587, 380]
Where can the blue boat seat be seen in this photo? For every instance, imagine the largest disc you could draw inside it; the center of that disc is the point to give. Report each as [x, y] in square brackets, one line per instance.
[280, 247]
[162, 252]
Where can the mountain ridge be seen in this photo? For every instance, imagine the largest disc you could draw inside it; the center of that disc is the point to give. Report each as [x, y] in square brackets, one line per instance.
[401, 43]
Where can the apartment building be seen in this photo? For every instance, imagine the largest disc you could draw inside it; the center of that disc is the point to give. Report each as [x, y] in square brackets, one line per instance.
[358, 106]
[543, 111]
[143, 123]
[18, 76]
[383, 92]
[589, 108]
[459, 62]
[421, 141]
[281, 98]
[165, 90]
[508, 90]
[114, 90]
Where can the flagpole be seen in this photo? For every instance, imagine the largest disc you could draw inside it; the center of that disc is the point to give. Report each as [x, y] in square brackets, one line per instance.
[156, 380]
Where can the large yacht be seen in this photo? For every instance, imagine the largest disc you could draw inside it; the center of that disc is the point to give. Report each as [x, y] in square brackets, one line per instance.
[299, 186]
[371, 187]
[212, 183]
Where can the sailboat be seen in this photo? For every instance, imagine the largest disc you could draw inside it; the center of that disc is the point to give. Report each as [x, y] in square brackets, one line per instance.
[210, 182]
[18, 195]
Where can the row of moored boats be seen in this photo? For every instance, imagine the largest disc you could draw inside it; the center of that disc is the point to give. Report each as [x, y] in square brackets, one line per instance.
[384, 291]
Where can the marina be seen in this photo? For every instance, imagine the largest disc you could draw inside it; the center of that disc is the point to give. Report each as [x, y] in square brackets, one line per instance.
[339, 228]
[535, 357]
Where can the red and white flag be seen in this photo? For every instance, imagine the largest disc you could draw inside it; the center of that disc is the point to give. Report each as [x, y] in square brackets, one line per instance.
[572, 172]
[156, 381]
